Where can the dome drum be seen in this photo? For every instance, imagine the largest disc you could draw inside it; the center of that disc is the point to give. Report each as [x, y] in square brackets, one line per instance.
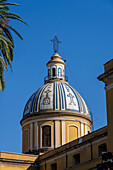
[46, 133]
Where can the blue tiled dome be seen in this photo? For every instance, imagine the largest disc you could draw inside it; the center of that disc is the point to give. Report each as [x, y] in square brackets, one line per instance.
[56, 96]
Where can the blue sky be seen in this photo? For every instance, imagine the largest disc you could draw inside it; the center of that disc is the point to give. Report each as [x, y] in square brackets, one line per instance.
[85, 28]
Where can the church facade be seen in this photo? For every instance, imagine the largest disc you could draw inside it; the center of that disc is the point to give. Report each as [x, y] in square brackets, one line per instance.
[56, 125]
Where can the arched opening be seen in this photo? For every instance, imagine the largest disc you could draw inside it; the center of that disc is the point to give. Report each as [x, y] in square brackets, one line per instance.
[53, 72]
[46, 136]
[72, 132]
[59, 72]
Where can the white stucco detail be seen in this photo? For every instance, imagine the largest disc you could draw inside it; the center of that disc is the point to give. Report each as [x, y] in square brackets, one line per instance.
[56, 133]
[85, 129]
[82, 129]
[63, 132]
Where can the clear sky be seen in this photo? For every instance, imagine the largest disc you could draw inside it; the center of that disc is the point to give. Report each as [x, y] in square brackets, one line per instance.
[85, 28]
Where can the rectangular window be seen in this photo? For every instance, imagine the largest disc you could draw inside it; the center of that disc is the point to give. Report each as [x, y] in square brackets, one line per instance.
[102, 148]
[46, 136]
[54, 166]
[76, 159]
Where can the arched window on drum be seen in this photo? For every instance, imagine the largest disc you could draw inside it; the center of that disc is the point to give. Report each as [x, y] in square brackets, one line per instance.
[59, 72]
[54, 72]
[46, 136]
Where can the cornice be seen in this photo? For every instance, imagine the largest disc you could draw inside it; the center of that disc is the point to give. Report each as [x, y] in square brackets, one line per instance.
[53, 115]
[105, 77]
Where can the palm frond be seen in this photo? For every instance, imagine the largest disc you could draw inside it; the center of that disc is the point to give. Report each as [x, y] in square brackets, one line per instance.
[6, 39]
[8, 26]
[7, 33]
[19, 19]
[4, 65]
[9, 13]
[10, 4]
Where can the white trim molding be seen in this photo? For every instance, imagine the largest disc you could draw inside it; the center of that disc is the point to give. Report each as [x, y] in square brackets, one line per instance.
[55, 118]
[86, 129]
[63, 131]
[56, 133]
[82, 129]
[68, 131]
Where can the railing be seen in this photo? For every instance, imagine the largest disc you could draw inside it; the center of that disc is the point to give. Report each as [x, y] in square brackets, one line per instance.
[55, 77]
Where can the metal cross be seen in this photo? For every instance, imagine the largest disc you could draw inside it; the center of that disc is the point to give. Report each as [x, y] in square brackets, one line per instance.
[55, 43]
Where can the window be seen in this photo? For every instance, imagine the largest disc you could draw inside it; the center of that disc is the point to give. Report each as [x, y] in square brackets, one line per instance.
[76, 159]
[59, 72]
[102, 148]
[54, 166]
[46, 136]
[53, 72]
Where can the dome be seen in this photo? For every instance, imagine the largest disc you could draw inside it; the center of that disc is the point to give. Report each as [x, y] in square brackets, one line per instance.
[56, 113]
[55, 97]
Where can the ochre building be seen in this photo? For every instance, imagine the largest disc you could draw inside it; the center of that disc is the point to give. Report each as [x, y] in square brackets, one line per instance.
[56, 126]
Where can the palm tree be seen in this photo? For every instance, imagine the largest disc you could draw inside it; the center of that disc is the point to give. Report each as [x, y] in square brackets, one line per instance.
[6, 39]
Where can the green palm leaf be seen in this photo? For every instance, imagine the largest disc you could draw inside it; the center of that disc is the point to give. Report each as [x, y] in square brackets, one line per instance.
[6, 39]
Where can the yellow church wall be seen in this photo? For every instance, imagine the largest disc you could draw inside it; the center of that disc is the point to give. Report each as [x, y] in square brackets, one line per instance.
[61, 164]
[70, 126]
[10, 161]
[87, 165]
[60, 133]
[85, 158]
[109, 99]
[87, 147]
[88, 129]
[26, 138]
[107, 78]
[13, 167]
[83, 129]
[95, 148]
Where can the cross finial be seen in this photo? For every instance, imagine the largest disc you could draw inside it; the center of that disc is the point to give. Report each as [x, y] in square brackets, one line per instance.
[55, 43]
